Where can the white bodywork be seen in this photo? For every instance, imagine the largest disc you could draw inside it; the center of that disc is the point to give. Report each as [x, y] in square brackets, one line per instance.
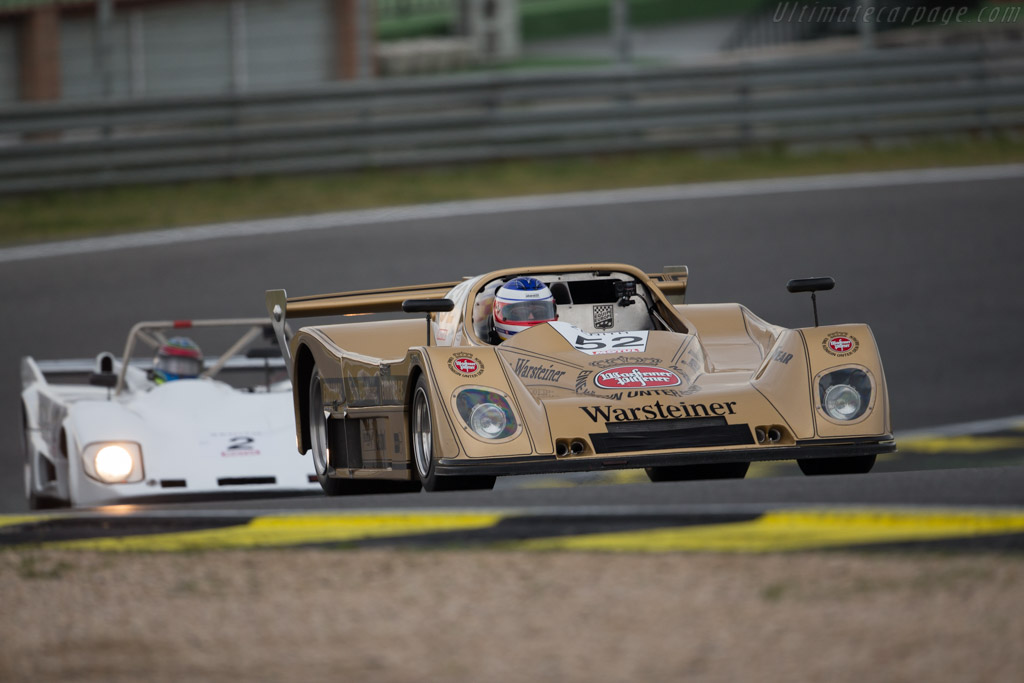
[196, 436]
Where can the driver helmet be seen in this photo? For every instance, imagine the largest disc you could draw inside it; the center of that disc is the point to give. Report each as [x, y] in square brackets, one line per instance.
[520, 304]
[179, 358]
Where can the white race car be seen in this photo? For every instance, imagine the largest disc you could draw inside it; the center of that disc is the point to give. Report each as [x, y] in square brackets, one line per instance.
[123, 436]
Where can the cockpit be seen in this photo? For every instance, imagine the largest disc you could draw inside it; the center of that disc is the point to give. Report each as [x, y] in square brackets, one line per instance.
[593, 301]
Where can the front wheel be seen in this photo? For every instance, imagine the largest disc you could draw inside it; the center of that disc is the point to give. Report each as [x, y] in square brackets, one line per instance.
[718, 470]
[421, 435]
[850, 464]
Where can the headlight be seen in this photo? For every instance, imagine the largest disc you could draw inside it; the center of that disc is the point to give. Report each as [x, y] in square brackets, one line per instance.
[113, 463]
[487, 413]
[842, 402]
[845, 394]
[488, 420]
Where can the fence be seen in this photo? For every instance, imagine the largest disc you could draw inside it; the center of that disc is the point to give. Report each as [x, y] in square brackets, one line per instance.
[488, 116]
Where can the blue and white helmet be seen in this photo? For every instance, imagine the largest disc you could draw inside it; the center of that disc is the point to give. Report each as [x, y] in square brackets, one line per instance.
[520, 304]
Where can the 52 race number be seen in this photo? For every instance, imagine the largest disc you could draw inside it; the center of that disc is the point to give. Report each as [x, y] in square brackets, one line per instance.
[598, 343]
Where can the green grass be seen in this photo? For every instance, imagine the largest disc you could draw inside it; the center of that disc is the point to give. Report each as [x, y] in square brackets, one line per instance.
[557, 18]
[68, 214]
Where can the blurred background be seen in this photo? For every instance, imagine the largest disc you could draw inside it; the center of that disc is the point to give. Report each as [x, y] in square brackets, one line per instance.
[105, 92]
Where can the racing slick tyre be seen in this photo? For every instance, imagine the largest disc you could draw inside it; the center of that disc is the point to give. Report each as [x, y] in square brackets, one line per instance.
[421, 436]
[718, 470]
[318, 415]
[851, 464]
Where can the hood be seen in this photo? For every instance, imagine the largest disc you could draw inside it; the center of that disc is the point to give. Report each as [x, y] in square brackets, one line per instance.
[557, 360]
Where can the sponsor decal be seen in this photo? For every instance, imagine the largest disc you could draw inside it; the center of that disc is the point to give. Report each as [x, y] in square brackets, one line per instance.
[625, 360]
[782, 357]
[658, 411]
[840, 344]
[523, 368]
[636, 377]
[600, 343]
[583, 382]
[604, 317]
[466, 365]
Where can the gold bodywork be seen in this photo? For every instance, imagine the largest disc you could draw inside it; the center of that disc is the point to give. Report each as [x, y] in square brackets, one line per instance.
[715, 371]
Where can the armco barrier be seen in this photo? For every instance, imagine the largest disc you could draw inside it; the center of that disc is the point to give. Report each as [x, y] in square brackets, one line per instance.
[492, 116]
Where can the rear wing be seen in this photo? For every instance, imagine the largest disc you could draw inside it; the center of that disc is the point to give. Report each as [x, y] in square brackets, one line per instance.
[672, 283]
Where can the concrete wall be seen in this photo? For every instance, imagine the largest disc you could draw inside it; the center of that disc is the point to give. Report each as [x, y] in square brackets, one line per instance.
[189, 47]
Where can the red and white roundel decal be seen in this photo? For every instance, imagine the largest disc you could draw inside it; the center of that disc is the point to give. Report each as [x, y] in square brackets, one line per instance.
[840, 344]
[467, 366]
[636, 377]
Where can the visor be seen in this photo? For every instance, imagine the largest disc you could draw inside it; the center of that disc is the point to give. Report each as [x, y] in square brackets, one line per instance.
[180, 366]
[525, 311]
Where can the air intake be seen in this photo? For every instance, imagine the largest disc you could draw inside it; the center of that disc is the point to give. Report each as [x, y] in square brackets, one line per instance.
[659, 435]
[246, 481]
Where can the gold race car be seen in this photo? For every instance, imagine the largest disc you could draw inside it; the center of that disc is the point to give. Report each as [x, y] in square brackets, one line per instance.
[573, 368]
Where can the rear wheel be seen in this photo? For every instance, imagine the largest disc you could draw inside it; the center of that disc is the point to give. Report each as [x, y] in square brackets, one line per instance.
[851, 464]
[421, 433]
[318, 415]
[718, 470]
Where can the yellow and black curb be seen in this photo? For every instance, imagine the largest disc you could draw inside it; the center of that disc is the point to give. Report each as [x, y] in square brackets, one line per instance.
[783, 530]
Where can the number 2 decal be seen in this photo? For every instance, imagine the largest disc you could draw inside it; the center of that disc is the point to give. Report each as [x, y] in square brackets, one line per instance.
[241, 443]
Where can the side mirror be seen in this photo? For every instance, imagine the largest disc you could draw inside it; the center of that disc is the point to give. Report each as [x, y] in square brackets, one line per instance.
[428, 306]
[812, 285]
[103, 374]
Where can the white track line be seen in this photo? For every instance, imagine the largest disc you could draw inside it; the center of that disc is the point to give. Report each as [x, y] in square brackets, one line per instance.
[481, 207]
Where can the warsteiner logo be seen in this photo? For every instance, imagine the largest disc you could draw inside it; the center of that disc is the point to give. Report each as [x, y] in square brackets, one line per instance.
[659, 411]
[840, 344]
[466, 365]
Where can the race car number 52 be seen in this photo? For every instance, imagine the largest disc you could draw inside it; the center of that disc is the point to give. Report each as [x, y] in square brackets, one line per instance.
[598, 343]
[626, 341]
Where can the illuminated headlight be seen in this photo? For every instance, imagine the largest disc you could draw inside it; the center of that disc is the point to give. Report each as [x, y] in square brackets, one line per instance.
[113, 463]
[487, 413]
[845, 394]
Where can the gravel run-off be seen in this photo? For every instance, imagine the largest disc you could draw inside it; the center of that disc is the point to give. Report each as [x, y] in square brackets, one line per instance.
[380, 615]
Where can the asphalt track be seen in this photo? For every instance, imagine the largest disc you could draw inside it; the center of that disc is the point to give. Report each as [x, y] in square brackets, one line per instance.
[931, 265]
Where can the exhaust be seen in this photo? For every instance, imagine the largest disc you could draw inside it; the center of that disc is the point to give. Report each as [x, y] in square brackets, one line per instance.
[774, 435]
[760, 435]
[578, 447]
[561, 450]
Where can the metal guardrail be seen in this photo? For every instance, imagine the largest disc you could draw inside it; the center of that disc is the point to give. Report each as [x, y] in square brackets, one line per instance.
[480, 116]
